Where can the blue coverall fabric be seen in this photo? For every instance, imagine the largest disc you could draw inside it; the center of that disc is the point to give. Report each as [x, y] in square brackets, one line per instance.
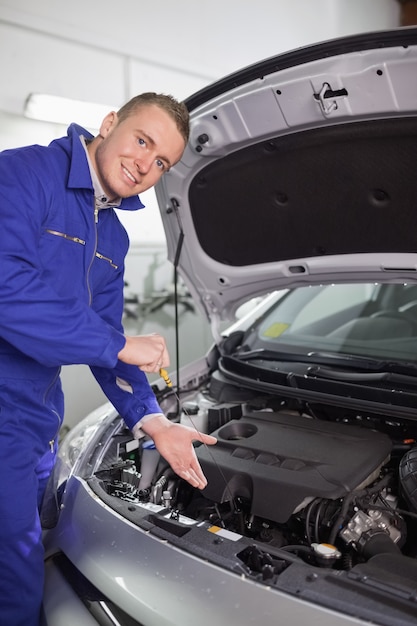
[61, 302]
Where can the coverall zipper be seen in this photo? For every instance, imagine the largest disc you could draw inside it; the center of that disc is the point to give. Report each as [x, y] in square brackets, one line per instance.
[47, 390]
[90, 298]
[65, 236]
[106, 258]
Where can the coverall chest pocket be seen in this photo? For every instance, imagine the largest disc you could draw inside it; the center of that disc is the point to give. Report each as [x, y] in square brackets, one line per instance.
[105, 269]
[64, 258]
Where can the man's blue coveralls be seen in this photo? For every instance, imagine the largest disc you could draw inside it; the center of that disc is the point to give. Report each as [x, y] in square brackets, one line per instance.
[61, 302]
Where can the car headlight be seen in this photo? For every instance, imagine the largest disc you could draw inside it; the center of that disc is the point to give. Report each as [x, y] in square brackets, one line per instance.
[72, 450]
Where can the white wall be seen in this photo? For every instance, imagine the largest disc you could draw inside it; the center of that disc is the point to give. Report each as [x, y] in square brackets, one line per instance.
[106, 52]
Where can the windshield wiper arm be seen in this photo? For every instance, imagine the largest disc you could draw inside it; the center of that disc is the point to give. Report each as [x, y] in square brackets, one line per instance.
[351, 361]
[271, 355]
[370, 364]
[361, 377]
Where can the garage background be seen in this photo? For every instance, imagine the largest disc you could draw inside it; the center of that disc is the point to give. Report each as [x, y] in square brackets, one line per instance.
[103, 52]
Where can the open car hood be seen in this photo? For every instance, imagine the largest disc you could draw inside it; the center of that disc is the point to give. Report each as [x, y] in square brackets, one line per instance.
[300, 170]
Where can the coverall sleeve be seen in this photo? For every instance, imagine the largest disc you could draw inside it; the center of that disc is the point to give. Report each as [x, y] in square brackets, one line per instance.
[34, 318]
[132, 404]
[136, 399]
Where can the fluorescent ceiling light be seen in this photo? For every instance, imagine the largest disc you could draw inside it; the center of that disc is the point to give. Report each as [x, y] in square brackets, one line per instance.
[59, 110]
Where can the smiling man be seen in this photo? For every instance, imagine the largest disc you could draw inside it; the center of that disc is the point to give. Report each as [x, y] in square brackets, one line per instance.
[62, 251]
[132, 151]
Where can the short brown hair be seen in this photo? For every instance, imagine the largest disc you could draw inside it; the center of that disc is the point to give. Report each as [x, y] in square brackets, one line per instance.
[177, 110]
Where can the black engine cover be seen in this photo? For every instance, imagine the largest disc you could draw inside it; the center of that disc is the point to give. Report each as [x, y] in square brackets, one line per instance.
[280, 461]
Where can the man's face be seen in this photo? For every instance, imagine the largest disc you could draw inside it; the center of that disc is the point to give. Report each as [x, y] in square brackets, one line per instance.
[131, 156]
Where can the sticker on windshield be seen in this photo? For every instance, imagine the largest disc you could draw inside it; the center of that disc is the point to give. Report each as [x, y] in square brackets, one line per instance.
[275, 330]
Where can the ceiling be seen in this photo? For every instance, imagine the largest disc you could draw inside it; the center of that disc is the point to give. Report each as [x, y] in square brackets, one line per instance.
[104, 52]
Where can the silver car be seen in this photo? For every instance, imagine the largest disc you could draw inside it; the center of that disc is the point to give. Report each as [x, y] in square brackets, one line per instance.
[292, 219]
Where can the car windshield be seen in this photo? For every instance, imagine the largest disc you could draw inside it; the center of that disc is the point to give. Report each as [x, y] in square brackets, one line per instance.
[366, 320]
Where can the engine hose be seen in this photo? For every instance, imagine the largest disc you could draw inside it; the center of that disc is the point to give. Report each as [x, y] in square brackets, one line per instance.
[347, 562]
[379, 543]
[341, 517]
[310, 508]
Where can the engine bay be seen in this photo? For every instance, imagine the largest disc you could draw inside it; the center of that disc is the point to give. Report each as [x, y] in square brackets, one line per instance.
[325, 486]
